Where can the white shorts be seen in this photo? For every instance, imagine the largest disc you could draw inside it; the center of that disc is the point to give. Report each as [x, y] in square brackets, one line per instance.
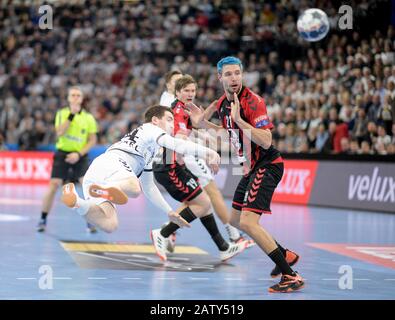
[200, 169]
[105, 170]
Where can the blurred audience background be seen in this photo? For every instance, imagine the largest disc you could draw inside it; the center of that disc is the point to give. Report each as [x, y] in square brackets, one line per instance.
[334, 96]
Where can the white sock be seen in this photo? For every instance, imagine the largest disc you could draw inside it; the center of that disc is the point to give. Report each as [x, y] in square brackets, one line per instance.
[233, 232]
[82, 206]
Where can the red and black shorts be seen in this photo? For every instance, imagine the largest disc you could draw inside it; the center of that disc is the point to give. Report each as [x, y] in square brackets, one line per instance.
[255, 190]
[179, 182]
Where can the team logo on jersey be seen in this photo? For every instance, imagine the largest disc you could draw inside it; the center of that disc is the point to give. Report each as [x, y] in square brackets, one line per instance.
[124, 163]
[182, 126]
[261, 121]
[83, 131]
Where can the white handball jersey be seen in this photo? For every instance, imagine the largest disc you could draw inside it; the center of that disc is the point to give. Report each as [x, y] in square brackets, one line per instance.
[167, 99]
[141, 142]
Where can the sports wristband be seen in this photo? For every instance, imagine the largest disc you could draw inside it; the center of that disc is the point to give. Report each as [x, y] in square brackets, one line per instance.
[71, 117]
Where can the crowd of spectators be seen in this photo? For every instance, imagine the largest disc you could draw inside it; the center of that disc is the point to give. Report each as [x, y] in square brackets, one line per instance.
[335, 96]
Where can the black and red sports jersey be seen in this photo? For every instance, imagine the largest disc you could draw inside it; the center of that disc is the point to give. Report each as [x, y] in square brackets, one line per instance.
[182, 124]
[253, 111]
[181, 118]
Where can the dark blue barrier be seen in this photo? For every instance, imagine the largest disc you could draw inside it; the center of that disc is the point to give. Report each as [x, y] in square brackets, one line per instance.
[97, 151]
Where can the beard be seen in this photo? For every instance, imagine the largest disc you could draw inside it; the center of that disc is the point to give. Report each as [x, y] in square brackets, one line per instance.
[231, 90]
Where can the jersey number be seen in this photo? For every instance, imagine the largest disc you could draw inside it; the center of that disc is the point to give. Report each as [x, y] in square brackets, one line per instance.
[192, 183]
[131, 139]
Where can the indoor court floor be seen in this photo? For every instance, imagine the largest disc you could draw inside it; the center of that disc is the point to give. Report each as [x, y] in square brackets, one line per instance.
[344, 255]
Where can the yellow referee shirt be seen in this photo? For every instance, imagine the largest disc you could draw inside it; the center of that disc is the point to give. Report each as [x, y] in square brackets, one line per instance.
[78, 132]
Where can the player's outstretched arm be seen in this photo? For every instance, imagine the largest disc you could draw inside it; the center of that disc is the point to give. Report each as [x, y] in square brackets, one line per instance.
[152, 192]
[186, 147]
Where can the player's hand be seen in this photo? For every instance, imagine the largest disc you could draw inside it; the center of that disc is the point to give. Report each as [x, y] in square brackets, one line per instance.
[177, 219]
[196, 114]
[72, 157]
[213, 160]
[235, 105]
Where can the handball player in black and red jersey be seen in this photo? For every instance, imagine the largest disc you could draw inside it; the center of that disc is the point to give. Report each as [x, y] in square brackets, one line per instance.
[243, 114]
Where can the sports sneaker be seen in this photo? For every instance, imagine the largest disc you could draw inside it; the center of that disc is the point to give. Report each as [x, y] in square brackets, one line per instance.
[291, 257]
[69, 195]
[288, 284]
[250, 242]
[232, 232]
[171, 240]
[42, 225]
[113, 194]
[90, 228]
[233, 250]
[160, 243]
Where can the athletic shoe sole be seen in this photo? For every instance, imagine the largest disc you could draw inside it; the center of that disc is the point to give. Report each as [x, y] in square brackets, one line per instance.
[156, 251]
[288, 290]
[112, 194]
[68, 196]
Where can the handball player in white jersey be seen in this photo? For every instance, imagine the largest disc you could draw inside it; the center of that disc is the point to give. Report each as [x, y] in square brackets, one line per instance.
[125, 169]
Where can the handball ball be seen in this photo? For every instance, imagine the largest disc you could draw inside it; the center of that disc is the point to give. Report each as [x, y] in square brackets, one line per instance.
[313, 25]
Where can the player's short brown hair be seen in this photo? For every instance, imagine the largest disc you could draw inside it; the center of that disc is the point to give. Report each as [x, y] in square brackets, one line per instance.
[156, 111]
[170, 75]
[184, 81]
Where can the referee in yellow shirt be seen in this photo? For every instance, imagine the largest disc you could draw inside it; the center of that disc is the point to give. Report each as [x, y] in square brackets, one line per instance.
[76, 134]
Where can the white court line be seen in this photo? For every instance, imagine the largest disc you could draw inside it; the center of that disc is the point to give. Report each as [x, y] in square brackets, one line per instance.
[192, 278]
[356, 279]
